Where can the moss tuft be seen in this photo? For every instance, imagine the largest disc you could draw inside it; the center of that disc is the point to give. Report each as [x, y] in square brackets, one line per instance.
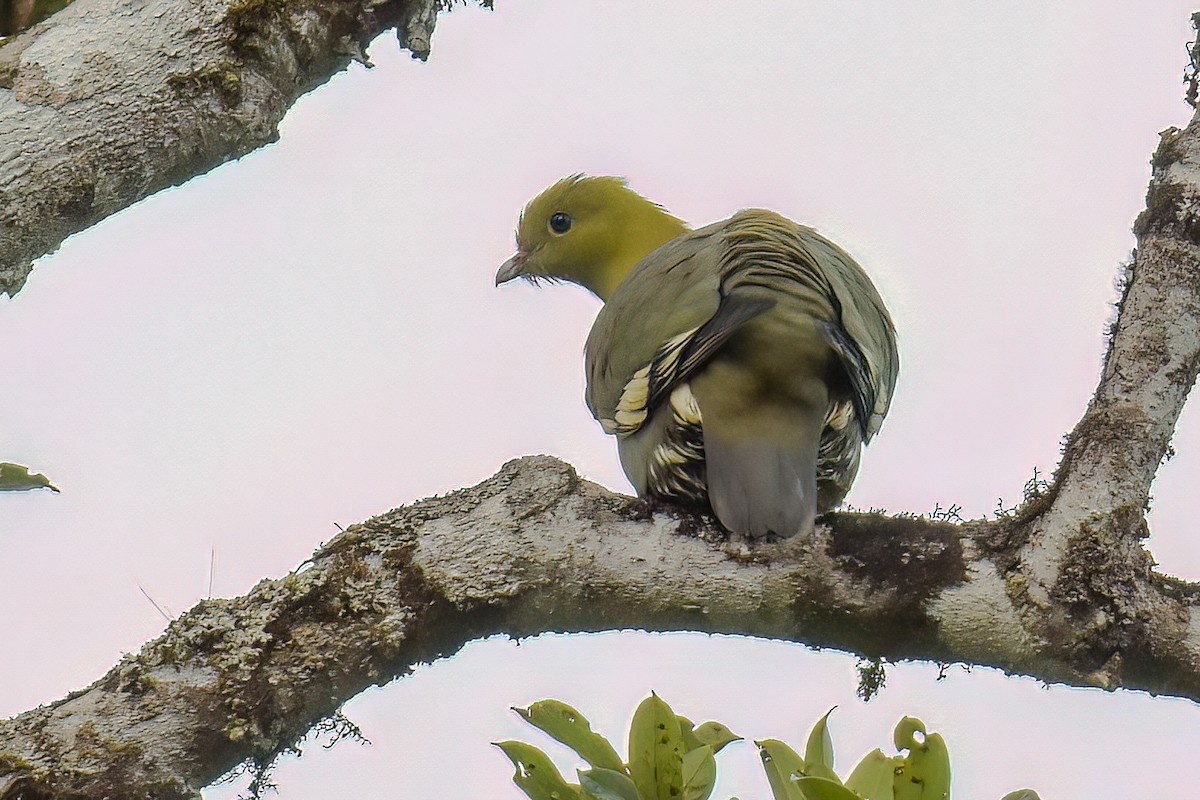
[223, 81]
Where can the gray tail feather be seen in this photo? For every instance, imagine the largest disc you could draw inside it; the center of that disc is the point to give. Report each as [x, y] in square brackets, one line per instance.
[757, 487]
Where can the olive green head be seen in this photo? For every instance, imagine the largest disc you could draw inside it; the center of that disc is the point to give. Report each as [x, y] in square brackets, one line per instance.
[587, 230]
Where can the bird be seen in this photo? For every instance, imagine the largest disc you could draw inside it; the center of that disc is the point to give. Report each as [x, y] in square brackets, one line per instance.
[741, 365]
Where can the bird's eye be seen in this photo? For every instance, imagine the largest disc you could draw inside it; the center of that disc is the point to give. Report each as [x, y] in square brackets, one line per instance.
[560, 223]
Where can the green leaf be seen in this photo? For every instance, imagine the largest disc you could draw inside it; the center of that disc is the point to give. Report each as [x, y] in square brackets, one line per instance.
[874, 777]
[1022, 794]
[905, 734]
[818, 753]
[824, 789]
[687, 731]
[16, 478]
[699, 773]
[536, 775]
[782, 764]
[607, 784]
[716, 735]
[571, 728]
[656, 750]
[925, 774]
[931, 764]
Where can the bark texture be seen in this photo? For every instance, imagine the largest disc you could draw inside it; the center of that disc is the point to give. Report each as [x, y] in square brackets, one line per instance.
[109, 101]
[1062, 589]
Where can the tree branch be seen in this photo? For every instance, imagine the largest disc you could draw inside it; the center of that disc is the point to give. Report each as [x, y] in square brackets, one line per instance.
[533, 549]
[105, 102]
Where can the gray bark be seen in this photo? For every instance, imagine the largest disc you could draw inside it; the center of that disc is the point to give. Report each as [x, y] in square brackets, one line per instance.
[109, 101]
[1061, 589]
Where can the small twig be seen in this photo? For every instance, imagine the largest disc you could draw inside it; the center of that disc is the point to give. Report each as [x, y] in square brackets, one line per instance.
[146, 594]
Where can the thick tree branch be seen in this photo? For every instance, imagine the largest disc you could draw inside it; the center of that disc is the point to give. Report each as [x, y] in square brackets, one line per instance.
[533, 549]
[1082, 553]
[109, 101]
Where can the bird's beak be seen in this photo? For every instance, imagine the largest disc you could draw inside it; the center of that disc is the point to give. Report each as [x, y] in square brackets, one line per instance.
[513, 268]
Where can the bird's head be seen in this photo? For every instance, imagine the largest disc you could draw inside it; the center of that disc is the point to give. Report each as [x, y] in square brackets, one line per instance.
[587, 230]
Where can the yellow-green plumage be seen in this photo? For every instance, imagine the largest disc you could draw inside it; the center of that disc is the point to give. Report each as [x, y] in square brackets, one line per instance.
[741, 365]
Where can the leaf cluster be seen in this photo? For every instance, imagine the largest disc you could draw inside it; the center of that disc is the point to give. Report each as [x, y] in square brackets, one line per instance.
[669, 757]
[922, 774]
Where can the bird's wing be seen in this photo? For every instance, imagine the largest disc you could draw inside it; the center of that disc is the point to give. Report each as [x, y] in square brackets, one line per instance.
[768, 252]
[684, 300]
[675, 361]
[863, 337]
[663, 323]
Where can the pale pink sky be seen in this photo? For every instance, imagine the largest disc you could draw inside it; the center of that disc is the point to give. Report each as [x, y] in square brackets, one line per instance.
[310, 336]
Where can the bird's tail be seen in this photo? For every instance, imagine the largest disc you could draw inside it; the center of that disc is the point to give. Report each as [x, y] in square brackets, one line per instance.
[760, 485]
